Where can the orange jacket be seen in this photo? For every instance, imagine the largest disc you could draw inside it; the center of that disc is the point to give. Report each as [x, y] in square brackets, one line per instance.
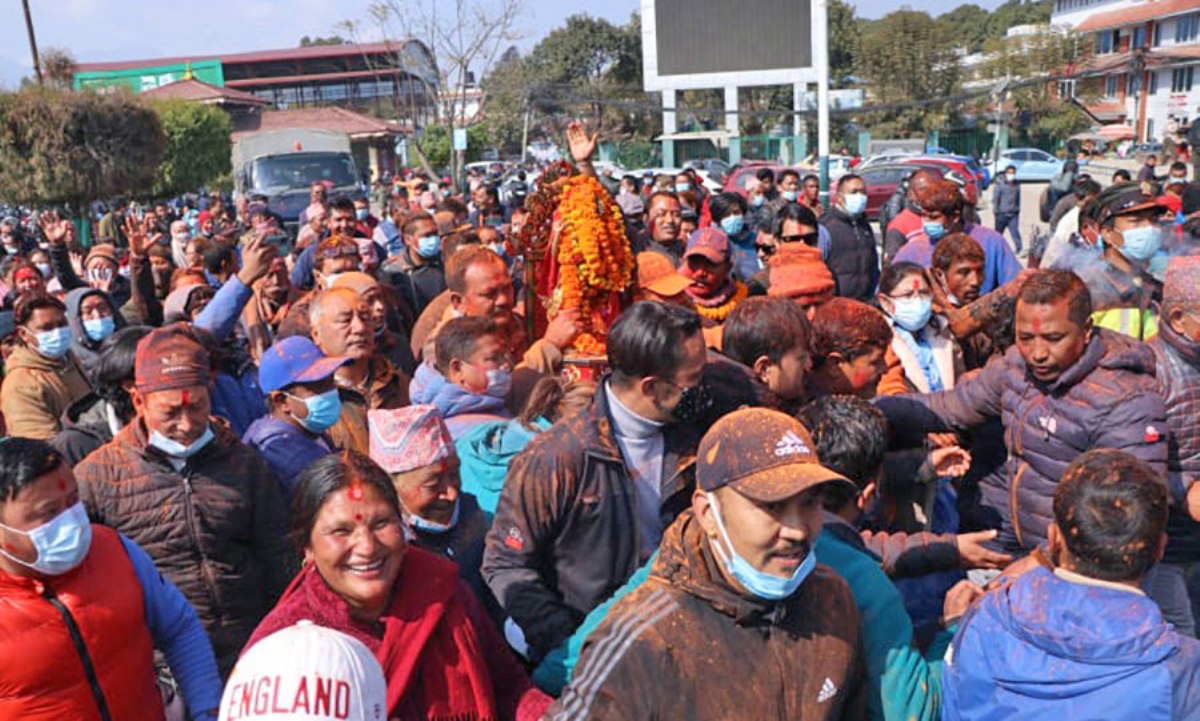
[44, 675]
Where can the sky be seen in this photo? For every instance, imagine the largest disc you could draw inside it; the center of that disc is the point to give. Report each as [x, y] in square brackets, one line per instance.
[95, 30]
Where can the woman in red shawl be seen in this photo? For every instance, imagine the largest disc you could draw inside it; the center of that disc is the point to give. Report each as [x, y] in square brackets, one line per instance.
[442, 656]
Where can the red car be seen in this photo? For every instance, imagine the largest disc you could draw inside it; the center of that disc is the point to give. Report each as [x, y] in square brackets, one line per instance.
[965, 176]
[882, 181]
[735, 181]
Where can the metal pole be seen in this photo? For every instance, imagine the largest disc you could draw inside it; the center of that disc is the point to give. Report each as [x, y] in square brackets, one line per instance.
[37, 63]
[821, 58]
[525, 130]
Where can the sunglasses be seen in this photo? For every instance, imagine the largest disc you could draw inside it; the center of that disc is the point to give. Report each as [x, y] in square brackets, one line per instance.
[767, 250]
[806, 238]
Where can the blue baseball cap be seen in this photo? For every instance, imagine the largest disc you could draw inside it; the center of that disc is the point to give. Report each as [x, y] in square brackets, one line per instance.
[295, 360]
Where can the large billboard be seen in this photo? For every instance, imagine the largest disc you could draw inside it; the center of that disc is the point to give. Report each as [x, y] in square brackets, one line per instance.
[691, 44]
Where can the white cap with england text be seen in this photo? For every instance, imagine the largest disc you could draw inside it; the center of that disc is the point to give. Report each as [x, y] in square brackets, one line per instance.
[306, 673]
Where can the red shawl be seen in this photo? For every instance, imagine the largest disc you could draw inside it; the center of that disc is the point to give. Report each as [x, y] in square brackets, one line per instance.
[431, 652]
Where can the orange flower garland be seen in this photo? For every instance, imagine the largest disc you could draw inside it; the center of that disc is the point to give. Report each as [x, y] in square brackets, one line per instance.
[594, 257]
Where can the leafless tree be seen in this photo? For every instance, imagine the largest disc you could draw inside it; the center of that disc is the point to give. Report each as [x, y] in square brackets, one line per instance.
[465, 36]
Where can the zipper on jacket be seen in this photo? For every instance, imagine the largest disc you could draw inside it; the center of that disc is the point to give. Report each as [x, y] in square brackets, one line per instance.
[85, 658]
[189, 510]
[1013, 503]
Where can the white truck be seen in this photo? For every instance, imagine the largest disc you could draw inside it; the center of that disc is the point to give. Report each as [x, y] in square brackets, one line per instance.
[283, 164]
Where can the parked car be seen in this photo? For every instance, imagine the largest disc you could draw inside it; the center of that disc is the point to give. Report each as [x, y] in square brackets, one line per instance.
[735, 181]
[949, 164]
[1031, 164]
[882, 181]
[713, 170]
[891, 156]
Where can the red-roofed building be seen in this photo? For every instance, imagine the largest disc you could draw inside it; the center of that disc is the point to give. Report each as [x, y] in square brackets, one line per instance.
[1145, 60]
[388, 79]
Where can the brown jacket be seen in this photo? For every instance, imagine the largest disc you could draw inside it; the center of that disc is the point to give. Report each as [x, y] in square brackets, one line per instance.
[37, 391]
[565, 535]
[217, 529]
[385, 387]
[687, 645]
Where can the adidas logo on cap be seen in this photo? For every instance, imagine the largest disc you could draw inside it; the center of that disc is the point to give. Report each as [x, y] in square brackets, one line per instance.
[791, 444]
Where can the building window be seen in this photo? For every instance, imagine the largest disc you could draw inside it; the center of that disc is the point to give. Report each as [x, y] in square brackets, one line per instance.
[1153, 82]
[1111, 85]
[1181, 79]
[1157, 35]
[1139, 38]
[1106, 42]
[1187, 28]
[1133, 84]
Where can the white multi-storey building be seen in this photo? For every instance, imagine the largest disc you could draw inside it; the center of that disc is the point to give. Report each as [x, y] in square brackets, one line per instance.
[1146, 57]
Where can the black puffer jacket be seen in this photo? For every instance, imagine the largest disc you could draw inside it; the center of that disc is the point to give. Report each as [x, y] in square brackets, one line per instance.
[217, 529]
[853, 257]
[1108, 399]
[1179, 383]
[565, 535]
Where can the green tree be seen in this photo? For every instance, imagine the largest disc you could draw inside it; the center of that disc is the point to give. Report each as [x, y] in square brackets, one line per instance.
[966, 26]
[845, 36]
[436, 144]
[903, 57]
[509, 89]
[59, 147]
[589, 67]
[198, 145]
[1039, 110]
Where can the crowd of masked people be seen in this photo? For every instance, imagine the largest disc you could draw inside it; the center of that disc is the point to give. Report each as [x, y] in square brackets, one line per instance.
[336, 475]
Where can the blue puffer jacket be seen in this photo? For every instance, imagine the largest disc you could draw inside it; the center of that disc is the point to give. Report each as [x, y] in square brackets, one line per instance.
[461, 409]
[1107, 399]
[1178, 375]
[1048, 649]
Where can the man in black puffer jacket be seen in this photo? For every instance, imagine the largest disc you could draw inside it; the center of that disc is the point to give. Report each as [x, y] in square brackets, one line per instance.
[1065, 388]
[853, 256]
[1177, 350]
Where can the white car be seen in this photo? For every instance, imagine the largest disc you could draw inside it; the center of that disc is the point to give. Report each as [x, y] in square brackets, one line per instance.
[1031, 164]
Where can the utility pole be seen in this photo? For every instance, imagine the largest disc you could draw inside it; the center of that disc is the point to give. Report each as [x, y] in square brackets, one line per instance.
[525, 128]
[37, 64]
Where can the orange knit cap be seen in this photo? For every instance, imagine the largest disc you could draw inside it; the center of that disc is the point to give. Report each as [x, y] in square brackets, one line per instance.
[797, 271]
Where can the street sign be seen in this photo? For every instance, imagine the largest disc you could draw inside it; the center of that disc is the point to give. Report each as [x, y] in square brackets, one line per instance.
[460, 139]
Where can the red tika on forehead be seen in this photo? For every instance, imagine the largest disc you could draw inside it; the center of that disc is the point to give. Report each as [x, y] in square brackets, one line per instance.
[355, 492]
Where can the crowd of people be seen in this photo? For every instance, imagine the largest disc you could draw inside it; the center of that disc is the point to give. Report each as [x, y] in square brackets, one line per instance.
[827, 471]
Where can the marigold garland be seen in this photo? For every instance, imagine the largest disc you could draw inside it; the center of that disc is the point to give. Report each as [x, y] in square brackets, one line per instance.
[594, 257]
[718, 313]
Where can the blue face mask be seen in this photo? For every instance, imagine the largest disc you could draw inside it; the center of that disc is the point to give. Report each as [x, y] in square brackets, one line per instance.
[682, 187]
[733, 224]
[855, 203]
[55, 343]
[97, 329]
[361, 213]
[935, 231]
[499, 383]
[44, 269]
[426, 526]
[324, 410]
[757, 201]
[61, 543]
[1142, 243]
[429, 246]
[790, 195]
[762, 585]
[912, 314]
[175, 449]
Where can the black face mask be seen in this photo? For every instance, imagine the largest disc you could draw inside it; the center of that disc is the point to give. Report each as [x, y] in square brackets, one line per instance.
[693, 403]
